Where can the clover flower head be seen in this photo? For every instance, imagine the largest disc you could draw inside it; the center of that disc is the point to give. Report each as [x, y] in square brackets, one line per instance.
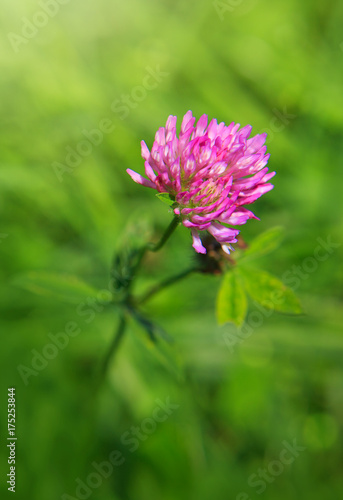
[210, 171]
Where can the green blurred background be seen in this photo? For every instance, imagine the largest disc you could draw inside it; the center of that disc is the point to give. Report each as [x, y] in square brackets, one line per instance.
[248, 61]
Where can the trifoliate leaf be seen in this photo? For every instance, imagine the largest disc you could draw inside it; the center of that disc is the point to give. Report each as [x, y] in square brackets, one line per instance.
[231, 300]
[264, 243]
[269, 291]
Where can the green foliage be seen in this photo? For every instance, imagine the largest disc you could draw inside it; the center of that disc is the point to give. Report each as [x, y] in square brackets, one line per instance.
[231, 300]
[153, 330]
[262, 287]
[160, 349]
[264, 243]
[269, 291]
[123, 270]
[284, 381]
[60, 286]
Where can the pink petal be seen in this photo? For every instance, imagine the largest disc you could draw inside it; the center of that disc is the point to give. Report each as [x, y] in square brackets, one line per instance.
[213, 170]
[223, 234]
[145, 151]
[200, 227]
[238, 218]
[149, 172]
[201, 126]
[139, 179]
[227, 248]
[197, 244]
[187, 122]
[160, 137]
[245, 131]
[212, 129]
[255, 143]
[171, 122]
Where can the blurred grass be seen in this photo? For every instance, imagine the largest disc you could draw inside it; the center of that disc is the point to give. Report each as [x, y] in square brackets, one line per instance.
[285, 381]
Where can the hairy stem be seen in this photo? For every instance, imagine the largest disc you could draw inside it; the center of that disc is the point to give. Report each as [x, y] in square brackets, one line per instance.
[154, 247]
[165, 283]
[114, 345]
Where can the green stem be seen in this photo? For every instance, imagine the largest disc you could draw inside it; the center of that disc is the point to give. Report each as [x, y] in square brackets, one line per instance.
[167, 282]
[114, 345]
[154, 247]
